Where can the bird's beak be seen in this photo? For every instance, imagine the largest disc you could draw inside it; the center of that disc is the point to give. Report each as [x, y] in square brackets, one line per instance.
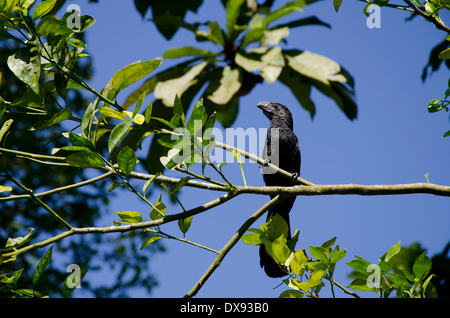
[263, 105]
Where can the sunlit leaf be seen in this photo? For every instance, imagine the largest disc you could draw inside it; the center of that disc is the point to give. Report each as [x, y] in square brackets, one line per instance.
[167, 90]
[43, 8]
[129, 75]
[26, 65]
[150, 240]
[230, 83]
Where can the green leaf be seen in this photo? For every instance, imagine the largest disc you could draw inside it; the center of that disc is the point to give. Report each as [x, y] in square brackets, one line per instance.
[167, 90]
[301, 90]
[159, 211]
[276, 227]
[178, 111]
[129, 75]
[177, 186]
[319, 253]
[337, 4]
[230, 83]
[42, 265]
[232, 10]
[149, 182]
[15, 243]
[150, 240]
[126, 159]
[85, 159]
[274, 37]
[298, 264]
[392, 252]
[328, 244]
[327, 76]
[43, 8]
[26, 65]
[88, 119]
[215, 34]
[73, 280]
[196, 121]
[360, 284]
[251, 239]
[336, 256]
[117, 134]
[399, 280]
[184, 224]
[279, 250]
[176, 53]
[139, 104]
[422, 266]
[130, 216]
[115, 185]
[148, 112]
[5, 127]
[79, 141]
[360, 265]
[286, 9]
[291, 293]
[315, 278]
[447, 134]
[109, 112]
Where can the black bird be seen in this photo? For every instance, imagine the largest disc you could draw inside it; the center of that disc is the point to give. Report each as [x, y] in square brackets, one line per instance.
[285, 154]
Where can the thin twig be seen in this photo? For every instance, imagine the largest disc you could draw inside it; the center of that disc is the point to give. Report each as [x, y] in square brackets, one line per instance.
[60, 189]
[428, 17]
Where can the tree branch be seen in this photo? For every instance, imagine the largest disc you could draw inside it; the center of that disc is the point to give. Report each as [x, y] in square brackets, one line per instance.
[60, 189]
[120, 229]
[227, 247]
[428, 17]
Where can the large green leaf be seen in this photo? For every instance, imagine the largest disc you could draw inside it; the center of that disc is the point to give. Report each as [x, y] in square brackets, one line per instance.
[186, 51]
[286, 9]
[317, 67]
[232, 9]
[168, 16]
[85, 159]
[422, 266]
[129, 75]
[230, 83]
[42, 265]
[300, 88]
[26, 65]
[327, 76]
[150, 84]
[167, 90]
[43, 8]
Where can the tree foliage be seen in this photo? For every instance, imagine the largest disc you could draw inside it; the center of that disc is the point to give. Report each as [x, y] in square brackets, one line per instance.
[75, 141]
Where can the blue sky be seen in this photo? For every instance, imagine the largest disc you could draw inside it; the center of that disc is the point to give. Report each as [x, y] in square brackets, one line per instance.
[393, 140]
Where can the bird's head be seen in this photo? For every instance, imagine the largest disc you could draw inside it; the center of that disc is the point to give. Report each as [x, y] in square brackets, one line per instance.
[276, 111]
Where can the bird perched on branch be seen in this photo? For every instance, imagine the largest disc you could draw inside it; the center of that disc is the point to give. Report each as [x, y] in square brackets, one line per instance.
[281, 149]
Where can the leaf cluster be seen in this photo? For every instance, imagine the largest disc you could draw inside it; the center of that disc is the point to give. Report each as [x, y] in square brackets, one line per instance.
[306, 273]
[385, 277]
